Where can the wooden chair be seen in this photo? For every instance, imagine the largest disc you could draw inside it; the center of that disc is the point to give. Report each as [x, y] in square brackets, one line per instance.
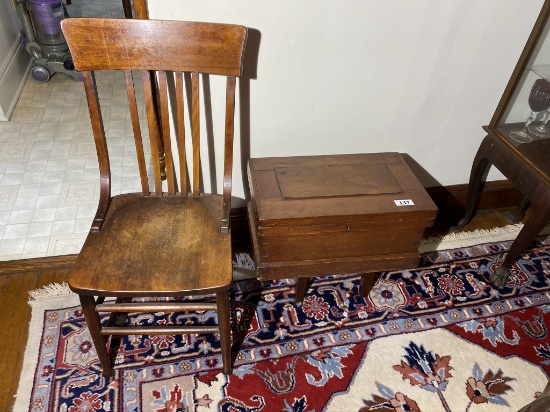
[157, 243]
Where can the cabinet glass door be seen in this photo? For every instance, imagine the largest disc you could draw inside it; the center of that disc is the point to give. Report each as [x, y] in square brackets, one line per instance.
[523, 116]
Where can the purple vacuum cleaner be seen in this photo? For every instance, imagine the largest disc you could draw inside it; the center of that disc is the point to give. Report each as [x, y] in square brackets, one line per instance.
[41, 20]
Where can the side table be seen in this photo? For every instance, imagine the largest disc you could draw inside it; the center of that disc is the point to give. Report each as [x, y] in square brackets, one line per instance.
[518, 141]
[527, 168]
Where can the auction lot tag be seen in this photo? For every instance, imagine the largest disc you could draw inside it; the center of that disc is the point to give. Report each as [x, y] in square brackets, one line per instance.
[404, 202]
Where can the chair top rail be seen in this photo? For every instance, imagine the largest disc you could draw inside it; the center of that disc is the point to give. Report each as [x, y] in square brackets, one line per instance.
[128, 44]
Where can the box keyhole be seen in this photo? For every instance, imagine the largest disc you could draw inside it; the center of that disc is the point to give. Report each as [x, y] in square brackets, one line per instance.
[348, 228]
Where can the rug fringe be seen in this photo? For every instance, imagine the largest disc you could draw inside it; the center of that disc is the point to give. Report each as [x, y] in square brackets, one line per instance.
[53, 290]
[478, 236]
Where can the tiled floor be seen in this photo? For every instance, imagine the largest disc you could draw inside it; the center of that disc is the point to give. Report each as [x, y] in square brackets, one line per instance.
[49, 177]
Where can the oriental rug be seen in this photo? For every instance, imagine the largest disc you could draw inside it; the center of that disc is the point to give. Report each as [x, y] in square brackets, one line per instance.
[435, 338]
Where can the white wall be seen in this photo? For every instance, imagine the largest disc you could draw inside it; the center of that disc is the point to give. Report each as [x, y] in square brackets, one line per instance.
[419, 77]
[14, 60]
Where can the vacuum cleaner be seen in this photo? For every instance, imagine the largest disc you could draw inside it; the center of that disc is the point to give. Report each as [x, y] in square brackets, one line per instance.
[44, 40]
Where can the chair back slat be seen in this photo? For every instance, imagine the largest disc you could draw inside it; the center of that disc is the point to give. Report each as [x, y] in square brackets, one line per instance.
[228, 150]
[166, 140]
[180, 124]
[134, 114]
[154, 134]
[140, 9]
[101, 148]
[195, 132]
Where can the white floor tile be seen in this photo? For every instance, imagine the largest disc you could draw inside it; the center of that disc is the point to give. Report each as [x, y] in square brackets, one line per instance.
[20, 216]
[17, 231]
[49, 178]
[40, 229]
[63, 227]
[25, 203]
[36, 246]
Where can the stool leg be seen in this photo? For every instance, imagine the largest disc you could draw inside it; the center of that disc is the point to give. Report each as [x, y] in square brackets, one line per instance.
[94, 326]
[224, 324]
[367, 280]
[301, 287]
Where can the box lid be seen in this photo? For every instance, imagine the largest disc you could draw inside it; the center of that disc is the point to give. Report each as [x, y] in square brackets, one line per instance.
[336, 188]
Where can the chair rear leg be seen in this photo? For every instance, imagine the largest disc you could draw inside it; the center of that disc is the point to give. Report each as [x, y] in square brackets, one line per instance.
[367, 281]
[224, 324]
[94, 326]
[301, 288]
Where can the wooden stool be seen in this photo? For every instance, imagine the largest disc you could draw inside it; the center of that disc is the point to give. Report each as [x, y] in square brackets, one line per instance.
[338, 214]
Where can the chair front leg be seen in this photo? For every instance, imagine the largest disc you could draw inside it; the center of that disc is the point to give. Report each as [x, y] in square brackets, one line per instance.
[94, 326]
[367, 281]
[301, 288]
[224, 324]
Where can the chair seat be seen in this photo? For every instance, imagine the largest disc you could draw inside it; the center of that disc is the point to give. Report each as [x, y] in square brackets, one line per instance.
[156, 246]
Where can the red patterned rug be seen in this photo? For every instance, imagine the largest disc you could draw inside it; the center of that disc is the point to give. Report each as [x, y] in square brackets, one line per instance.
[436, 338]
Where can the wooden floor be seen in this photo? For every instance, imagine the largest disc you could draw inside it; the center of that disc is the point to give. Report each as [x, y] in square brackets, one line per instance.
[16, 280]
[19, 277]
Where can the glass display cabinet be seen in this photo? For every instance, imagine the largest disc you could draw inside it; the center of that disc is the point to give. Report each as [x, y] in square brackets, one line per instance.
[518, 144]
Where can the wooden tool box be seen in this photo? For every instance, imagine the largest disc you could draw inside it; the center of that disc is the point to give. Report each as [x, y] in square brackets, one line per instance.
[337, 214]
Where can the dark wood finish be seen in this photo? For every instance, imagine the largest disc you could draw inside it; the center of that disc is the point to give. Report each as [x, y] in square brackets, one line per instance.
[240, 232]
[228, 161]
[127, 7]
[274, 211]
[224, 324]
[496, 195]
[93, 323]
[159, 243]
[173, 246]
[141, 10]
[518, 214]
[367, 280]
[37, 264]
[526, 165]
[326, 215]
[495, 150]
[301, 287]
[200, 47]
[158, 307]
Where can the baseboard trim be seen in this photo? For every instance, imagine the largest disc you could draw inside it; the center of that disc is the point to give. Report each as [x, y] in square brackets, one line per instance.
[495, 195]
[13, 75]
[45, 263]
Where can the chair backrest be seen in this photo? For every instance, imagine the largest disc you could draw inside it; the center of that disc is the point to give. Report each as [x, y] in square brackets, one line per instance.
[161, 47]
